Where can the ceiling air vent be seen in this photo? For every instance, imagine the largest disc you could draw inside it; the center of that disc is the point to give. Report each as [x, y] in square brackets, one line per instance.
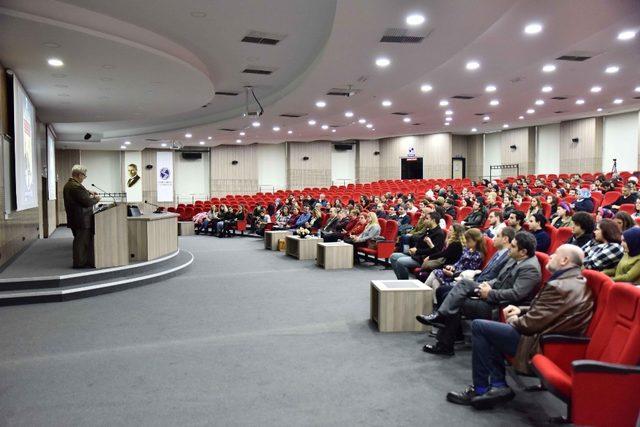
[575, 57]
[481, 114]
[463, 97]
[342, 92]
[152, 139]
[224, 93]
[416, 124]
[258, 37]
[258, 70]
[228, 130]
[559, 98]
[400, 113]
[559, 112]
[636, 97]
[293, 115]
[402, 35]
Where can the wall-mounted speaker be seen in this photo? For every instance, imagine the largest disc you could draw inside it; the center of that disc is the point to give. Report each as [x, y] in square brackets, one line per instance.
[234, 162]
[305, 158]
[575, 139]
[513, 147]
[376, 153]
[149, 167]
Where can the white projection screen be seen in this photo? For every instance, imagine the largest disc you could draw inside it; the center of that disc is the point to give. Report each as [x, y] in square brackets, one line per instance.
[26, 176]
[51, 164]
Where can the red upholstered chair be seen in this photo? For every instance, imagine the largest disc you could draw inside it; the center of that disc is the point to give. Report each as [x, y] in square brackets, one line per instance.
[543, 259]
[464, 212]
[562, 235]
[610, 197]
[603, 382]
[553, 234]
[383, 249]
[628, 208]
[488, 243]
[597, 197]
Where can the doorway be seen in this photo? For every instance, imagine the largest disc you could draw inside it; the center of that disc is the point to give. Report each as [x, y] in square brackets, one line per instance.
[458, 167]
[411, 168]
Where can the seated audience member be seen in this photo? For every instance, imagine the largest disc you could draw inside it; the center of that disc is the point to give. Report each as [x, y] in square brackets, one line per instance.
[605, 250]
[507, 206]
[449, 255]
[564, 306]
[627, 197]
[410, 207]
[624, 220]
[501, 243]
[584, 203]
[338, 227]
[210, 217]
[370, 232]
[282, 218]
[409, 239]
[628, 269]
[636, 214]
[391, 214]
[492, 201]
[562, 218]
[553, 202]
[380, 211]
[537, 222]
[450, 209]
[495, 224]
[357, 229]
[431, 242]
[516, 283]
[315, 221]
[602, 213]
[262, 221]
[583, 226]
[516, 220]
[293, 218]
[226, 217]
[323, 200]
[303, 218]
[534, 208]
[402, 218]
[477, 216]
[471, 259]
[332, 222]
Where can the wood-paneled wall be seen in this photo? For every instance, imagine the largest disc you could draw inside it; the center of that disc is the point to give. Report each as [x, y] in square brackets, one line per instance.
[367, 162]
[525, 152]
[434, 149]
[437, 151]
[586, 154]
[149, 181]
[475, 156]
[227, 178]
[314, 172]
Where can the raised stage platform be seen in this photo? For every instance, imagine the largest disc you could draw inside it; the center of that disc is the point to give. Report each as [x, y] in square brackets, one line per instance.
[44, 273]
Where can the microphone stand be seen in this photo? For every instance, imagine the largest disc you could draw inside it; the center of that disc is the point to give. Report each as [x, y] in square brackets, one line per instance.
[159, 209]
[105, 192]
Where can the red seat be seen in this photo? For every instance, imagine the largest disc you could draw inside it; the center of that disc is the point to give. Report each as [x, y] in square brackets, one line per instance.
[628, 208]
[464, 212]
[383, 249]
[553, 235]
[562, 235]
[543, 259]
[488, 243]
[603, 383]
[610, 197]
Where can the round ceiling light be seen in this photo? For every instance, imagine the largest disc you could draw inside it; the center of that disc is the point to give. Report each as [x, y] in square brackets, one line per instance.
[386, 103]
[596, 89]
[348, 113]
[490, 88]
[539, 102]
[472, 65]
[547, 89]
[426, 88]
[187, 135]
[415, 19]
[407, 119]
[321, 104]
[533, 28]
[612, 69]
[444, 102]
[626, 35]
[255, 124]
[312, 122]
[383, 62]
[548, 68]
[55, 62]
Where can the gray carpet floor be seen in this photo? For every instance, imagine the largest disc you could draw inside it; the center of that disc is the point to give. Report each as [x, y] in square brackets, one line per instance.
[244, 337]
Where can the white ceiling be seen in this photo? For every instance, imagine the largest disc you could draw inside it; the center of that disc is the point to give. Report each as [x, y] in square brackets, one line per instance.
[162, 65]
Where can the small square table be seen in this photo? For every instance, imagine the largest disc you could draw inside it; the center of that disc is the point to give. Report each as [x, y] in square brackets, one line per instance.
[272, 237]
[302, 248]
[336, 255]
[396, 303]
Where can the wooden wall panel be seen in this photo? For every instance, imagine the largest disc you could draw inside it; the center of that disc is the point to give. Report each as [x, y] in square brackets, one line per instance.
[227, 178]
[368, 163]
[315, 172]
[437, 155]
[585, 155]
[434, 149]
[524, 154]
[460, 146]
[475, 156]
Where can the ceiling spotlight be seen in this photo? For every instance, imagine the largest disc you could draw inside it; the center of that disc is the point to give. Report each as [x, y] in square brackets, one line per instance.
[187, 135]
[486, 118]
[547, 88]
[242, 134]
[448, 112]
[472, 65]
[164, 144]
[505, 125]
[415, 19]
[533, 28]
[447, 123]
[548, 68]
[626, 35]
[289, 132]
[612, 69]
[324, 127]
[539, 102]
[448, 119]
[596, 89]
[333, 130]
[474, 130]
[531, 111]
[369, 125]
[579, 101]
[55, 62]
[123, 147]
[444, 102]
[520, 117]
[238, 141]
[209, 138]
[362, 121]
[321, 104]
[617, 101]
[637, 89]
[407, 119]
[127, 143]
[383, 62]
[312, 122]
[426, 88]
[599, 109]
[201, 142]
[490, 88]
[255, 124]
[276, 128]
[386, 103]
[494, 102]
[348, 114]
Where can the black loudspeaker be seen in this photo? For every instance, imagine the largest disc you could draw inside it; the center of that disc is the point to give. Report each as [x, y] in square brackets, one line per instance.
[513, 147]
[149, 167]
[87, 136]
[343, 147]
[234, 162]
[305, 158]
[575, 139]
[376, 153]
[191, 155]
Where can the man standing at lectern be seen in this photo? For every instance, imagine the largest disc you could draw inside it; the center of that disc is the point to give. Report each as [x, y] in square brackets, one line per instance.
[78, 203]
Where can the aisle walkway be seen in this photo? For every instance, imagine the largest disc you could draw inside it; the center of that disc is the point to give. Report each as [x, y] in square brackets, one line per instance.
[244, 337]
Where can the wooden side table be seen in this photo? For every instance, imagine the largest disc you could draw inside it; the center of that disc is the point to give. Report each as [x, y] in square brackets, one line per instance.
[302, 248]
[396, 303]
[271, 238]
[336, 255]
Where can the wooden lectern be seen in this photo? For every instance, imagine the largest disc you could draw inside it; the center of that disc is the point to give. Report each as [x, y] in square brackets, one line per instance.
[110, 243]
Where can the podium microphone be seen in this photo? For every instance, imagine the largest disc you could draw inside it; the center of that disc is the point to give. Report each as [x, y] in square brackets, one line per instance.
[159, 209]
[105, 192]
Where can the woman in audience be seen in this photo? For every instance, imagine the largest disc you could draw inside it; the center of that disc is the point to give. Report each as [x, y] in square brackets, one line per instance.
[636, 214]
[628, 269]
[211, 216]
[534, 208]
[584, 203]
[316, 220]
[224, 219]
[449, 255]
[478, 215]
[262, 221]
[371, 231]
[605, 250]
[553, 202]
[624, 221]
[583, 226]
[563, 215]
[282, 218]
[293, 218]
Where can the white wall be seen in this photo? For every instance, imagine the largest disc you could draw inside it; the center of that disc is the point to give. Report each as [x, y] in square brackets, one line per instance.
[104, 169]
[191, 178]
[272, 167]
[343, 166]
[621, 142]
[548, 149]
[492, 153]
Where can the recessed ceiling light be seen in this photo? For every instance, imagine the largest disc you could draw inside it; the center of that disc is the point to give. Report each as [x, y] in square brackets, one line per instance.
[51, 45]
[626, 35]
[531, 111]
[164, 144]
[444, 102]
[448, 119]
[547, 88]
[426, 88]
[242, 134]
[362, 121]
[612, 69]
[123, 147]
[579, 101]
[321, 104]
[348, 113]
[548, 68]
[520, 117]
[505, 125]
[276, 128]
[472, 65]
[486, 118]
[209, 138]
[599, 109]
[637, 89]
[406, 119]
[447, 123]
[201, 142]
[494, 102]
[187, 135]
[415, 19]
[369, 125]
[198, 14]
[490, 88]
[289, 132]
[533, 28]
[539, 102]
[238, 141]
[617, 101]
[383, 62]
[312, 122]
[325, 127]
[55, 62]
[596, 89]
[386, 103]
[255, 124]
[474, 130]
[448, 112]
[127, 143]
[333, 130]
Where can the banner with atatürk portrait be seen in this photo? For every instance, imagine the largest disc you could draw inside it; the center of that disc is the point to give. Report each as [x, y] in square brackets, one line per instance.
[133, 175]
